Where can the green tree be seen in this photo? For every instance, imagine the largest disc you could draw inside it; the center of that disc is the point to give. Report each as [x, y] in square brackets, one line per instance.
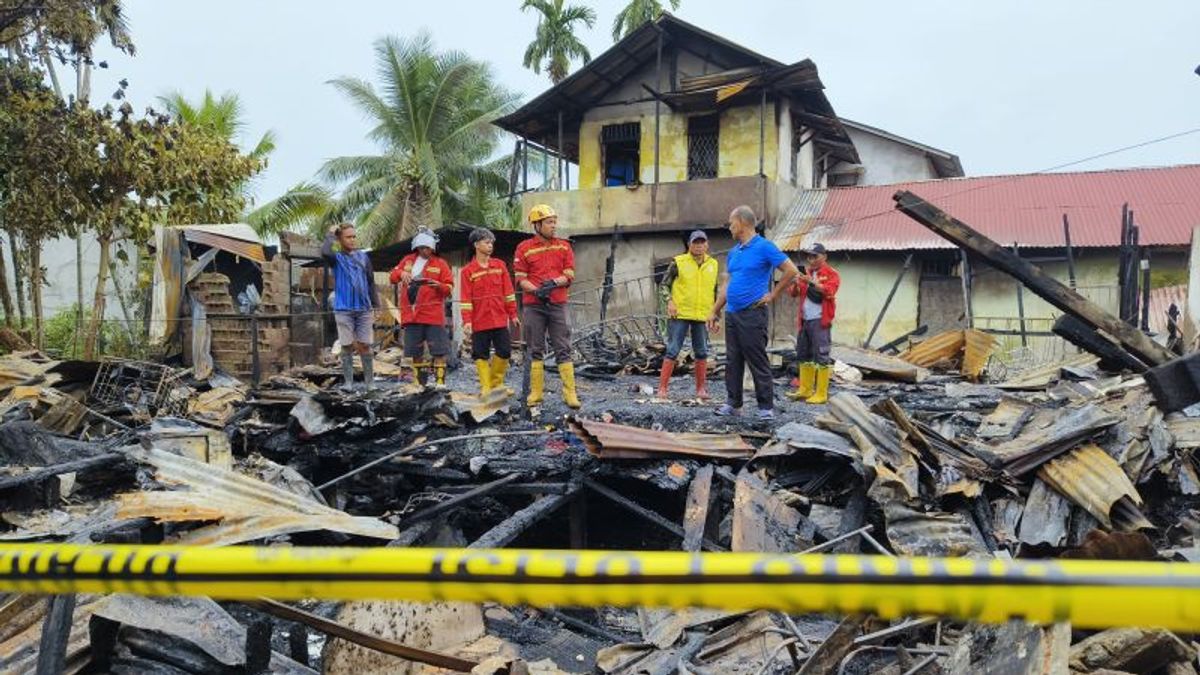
[636, 13]
[555, 44]
[304, 207]
[432, 121]
[223, 116]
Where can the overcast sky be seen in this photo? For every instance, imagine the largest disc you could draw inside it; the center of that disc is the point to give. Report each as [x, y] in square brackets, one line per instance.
[1012, 86]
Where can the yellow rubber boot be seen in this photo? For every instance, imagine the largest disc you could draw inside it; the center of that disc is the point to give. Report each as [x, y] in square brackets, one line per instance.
[419, 368]
[822, 393]
[485, 376]
[566, 371]
[808, 381]
[439, 372]
[537, 382]
[499, 368]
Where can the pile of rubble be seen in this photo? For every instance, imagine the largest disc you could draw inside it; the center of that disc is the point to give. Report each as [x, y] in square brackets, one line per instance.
[918, 454]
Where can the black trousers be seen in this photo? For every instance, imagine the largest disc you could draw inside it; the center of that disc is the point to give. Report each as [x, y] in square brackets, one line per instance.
[746, 345]
[812, 344]
[484, 341]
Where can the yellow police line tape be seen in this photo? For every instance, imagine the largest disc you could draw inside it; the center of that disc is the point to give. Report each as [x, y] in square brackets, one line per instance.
[1090, 594]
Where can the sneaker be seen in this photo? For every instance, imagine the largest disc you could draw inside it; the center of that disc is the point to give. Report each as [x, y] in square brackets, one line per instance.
[726, 410]
[764, 415]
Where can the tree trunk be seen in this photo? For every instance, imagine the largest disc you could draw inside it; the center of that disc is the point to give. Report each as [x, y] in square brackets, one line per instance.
[419, 211]
[35, 282]
[92, 337]
[5, 296]
[122, 301]
[18, 276]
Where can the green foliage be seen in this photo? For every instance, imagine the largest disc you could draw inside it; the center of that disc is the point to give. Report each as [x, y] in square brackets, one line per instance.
[63, 339]
[303, 208]
[555, 44]
[636, 13]
[432, 120]
[65, 26]
[1163, 277]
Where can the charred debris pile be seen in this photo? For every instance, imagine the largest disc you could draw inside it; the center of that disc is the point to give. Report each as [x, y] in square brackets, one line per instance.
[917, 454]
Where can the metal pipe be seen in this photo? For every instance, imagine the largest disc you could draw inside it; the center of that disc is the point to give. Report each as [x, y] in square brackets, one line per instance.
[561, 158]
[883, 310]
[1070, 253]
[841, 537]
[1020, 303]
[525, 163]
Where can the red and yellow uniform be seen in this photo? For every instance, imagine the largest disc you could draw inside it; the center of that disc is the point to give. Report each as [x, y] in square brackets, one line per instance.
[487, 297]
[430, 296]
[538, 260]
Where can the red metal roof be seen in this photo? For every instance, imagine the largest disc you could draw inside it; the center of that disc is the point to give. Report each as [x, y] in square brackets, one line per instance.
[1025, 209]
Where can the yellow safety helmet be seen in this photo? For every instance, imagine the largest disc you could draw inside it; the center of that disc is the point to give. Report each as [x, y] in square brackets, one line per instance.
[541, 212]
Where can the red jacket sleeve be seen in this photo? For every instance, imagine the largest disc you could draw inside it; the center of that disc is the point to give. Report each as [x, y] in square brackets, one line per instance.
[520, 265]
[394, 277]
[832, 283]
[510, 295]
[569, 264]
[465, 297]
[447, 278]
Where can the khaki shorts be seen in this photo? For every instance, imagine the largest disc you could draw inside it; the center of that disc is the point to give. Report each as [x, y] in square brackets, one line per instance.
[355, 327]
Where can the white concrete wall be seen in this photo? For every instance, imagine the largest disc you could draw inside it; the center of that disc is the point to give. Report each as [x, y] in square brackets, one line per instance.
[887, 161]
[58, 259]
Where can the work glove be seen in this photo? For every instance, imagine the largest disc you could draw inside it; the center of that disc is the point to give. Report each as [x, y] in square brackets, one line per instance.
[414, 287]
[543, 292]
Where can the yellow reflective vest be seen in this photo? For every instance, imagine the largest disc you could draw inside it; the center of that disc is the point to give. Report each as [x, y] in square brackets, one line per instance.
[694, 290]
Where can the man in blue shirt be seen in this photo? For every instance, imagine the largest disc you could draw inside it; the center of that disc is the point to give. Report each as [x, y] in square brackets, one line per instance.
[746, 289]
[355, 301]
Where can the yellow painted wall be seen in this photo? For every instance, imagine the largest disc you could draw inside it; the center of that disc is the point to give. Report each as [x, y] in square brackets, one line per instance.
[738, 139]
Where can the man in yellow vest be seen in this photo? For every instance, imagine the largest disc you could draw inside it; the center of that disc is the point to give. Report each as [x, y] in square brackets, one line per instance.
[690, 286]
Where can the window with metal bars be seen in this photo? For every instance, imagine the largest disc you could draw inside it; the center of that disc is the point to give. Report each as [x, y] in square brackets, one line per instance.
[703, 146]
[620, 145]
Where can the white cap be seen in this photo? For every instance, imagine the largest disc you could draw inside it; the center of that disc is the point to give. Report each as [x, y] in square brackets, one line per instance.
[424, 238]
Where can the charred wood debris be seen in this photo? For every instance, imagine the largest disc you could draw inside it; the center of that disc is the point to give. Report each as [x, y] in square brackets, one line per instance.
[932, 451]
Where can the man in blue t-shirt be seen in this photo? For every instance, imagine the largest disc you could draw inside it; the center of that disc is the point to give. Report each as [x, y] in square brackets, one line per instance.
[355, 301]
[746, 289]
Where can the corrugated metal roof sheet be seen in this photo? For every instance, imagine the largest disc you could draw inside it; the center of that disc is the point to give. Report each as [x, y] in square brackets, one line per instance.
[246, 249]
[618, 441]
[1095, 481]
[1161, 300]
[1026, 209]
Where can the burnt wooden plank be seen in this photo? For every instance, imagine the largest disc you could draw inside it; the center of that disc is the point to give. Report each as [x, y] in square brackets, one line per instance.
[56, 633]
[38, 475]
[695, 513]
[651, 516]
[1112, 357]
[1043, 285]
[512, 527]
[455, 502]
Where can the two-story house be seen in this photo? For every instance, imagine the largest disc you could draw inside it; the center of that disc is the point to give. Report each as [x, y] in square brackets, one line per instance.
[670, 129]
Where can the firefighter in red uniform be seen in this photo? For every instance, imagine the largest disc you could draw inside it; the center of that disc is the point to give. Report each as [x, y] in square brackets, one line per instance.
[817, 288]
[545, 266]
[489, 306]
[425, 282]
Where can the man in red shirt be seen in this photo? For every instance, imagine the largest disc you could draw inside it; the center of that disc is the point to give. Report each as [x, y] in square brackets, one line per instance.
[425, 282]
[817, 288]
[489, 305]
[545, 267]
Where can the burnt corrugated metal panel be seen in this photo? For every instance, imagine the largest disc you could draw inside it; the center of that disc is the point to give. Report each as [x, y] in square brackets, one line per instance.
[976, 352]
[618, 441]
[247, 508]
[1025, 209]
[246, 249]
[916, 533]
[938, 348]
[1092, 479]
[1049, 434]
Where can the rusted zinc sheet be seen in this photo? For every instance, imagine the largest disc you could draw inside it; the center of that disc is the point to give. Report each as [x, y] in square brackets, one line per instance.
[246, 508]
[1095, 481]
[883, 439]
[939, 348]
[252, 250]
[762, 521]
[618, 441]
[913, 532]
[1049, 434]
[880, 364]
[977, 350]
[1186, 430]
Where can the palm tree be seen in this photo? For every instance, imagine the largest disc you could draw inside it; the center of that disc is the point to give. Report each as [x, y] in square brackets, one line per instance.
[223, 116]
[304, 208]
[555, 43]
[432, 120]
[636, 13]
